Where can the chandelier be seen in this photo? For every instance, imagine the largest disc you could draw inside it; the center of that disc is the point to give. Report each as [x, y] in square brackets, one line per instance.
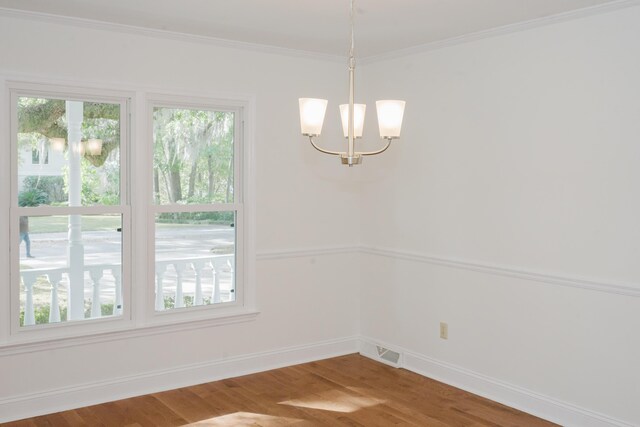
[390, 113]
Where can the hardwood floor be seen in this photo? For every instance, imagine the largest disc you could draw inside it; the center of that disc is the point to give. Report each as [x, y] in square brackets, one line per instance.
[343, 391]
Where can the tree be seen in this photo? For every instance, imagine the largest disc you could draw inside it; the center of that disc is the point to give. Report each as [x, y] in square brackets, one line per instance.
[193, 149]
[40, 119]
[46, 117]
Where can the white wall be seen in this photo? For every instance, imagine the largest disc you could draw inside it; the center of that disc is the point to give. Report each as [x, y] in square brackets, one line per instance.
[303, 201]
[519, 158]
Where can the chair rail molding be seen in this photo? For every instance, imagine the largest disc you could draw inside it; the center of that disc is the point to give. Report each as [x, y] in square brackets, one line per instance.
[306, 252]
[609, 286]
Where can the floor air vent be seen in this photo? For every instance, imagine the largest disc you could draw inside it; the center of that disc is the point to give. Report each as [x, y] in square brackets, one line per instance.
[392, 357]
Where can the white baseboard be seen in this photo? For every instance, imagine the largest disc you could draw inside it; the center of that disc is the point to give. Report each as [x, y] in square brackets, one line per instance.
[77, 396]
[515, 397]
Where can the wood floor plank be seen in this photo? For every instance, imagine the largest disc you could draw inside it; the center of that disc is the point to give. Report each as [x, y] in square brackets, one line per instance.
[343, 391]
[149, 411]
[400, 388]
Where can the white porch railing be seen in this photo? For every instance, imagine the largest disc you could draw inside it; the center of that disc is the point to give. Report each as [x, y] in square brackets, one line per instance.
[202, 273]
[57, 277]
[209, 277]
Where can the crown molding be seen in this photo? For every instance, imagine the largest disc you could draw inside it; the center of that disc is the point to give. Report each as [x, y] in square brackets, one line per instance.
[164, 34]
[270, 49]
[505, 29]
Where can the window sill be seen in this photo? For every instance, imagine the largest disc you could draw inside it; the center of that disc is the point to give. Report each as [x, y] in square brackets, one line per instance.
[27, 346]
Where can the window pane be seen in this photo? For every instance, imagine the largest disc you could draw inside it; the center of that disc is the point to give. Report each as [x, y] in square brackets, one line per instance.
[195, 259]
[65, 279]
[193, 156]
[68, 153]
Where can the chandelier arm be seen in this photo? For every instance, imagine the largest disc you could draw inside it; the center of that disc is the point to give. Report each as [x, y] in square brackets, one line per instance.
[382, 150]
[322, 150]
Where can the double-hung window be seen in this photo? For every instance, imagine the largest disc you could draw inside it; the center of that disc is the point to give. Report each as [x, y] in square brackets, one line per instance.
[70, 214]
[196, 211]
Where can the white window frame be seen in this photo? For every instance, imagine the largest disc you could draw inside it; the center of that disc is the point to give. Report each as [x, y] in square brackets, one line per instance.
[139, 318]
[242, 301]
[40, 332]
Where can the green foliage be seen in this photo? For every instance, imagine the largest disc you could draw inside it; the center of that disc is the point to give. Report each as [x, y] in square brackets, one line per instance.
[100, 185]
[109, 186]
[41, 313]
[32, 197]
[40, 119]
[108, 199]
[193, 150]
[47, 117]
[196, 217]
[102, 121]
[90, 184]
[52, 186]
[170, 302]
[105, 310]
[42, 116]
[193, 156]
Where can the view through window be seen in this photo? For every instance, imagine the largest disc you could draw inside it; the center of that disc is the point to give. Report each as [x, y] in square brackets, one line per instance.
[71, 251]
[70, 210]
[196, 206]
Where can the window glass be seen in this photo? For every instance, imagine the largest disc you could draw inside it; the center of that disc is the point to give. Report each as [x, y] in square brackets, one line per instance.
[193, 156]
[68, 166]
[65, 145]
[195, 259]
[195, 246]
[69, 275]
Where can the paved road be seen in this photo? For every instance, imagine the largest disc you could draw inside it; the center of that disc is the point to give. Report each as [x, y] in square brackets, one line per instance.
[102, 247]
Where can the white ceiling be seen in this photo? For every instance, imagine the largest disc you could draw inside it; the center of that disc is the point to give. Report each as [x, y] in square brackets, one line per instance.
[321, 26]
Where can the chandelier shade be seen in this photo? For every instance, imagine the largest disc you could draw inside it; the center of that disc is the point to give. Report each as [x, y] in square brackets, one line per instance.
[312, 113]
[358, 119]
[390, 114]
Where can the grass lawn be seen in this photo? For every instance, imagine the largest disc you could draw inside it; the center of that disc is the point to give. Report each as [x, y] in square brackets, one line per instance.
[60, 223]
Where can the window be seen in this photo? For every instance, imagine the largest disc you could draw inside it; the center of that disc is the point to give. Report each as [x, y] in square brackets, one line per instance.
[40, 155]
[197, 205]
[72, 214]
[68, 219]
